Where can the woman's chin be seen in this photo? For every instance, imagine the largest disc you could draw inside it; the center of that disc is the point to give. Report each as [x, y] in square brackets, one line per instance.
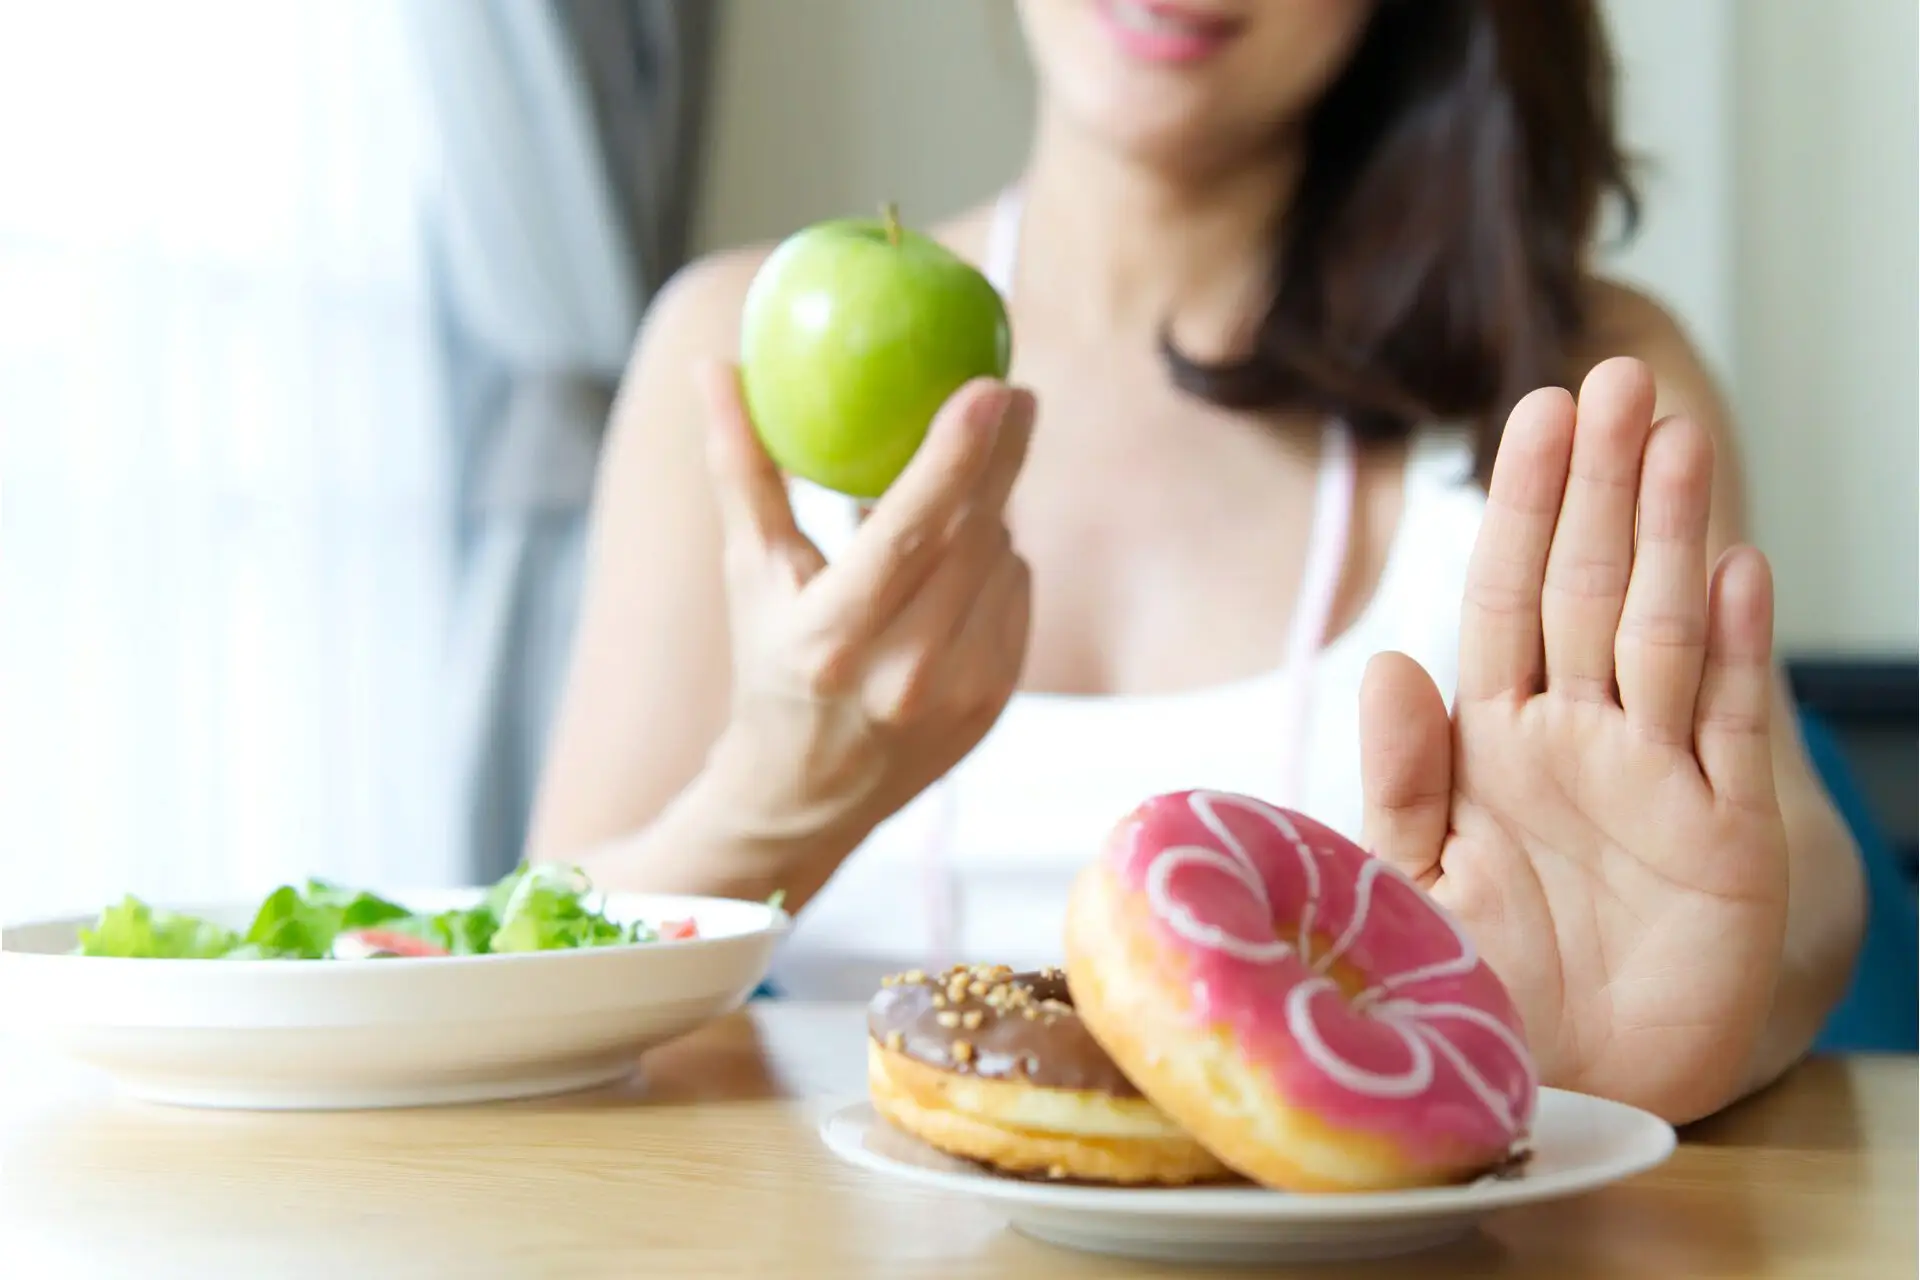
[1167, 135]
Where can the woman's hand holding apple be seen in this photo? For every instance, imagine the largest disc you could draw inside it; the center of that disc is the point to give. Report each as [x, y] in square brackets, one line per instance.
[859, 683]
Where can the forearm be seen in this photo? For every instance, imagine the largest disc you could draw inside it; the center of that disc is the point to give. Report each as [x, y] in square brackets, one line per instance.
[687, 850]
[1826, 915]
[721, 838]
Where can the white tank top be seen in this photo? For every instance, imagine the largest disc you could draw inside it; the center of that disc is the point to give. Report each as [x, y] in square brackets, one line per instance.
[1033, 801]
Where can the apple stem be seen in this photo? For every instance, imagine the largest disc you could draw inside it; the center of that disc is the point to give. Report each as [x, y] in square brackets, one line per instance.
[890, 215]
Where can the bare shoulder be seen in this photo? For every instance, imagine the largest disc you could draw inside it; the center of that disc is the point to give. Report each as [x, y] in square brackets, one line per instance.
[1625, 321]
[697, 312]
[693, 318]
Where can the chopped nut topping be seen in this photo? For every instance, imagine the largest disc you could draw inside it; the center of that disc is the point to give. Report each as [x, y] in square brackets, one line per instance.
[892, 979]
[948, 1019]
[914, 976]
[939, 1000]
[895, 1040]
[1030, 1013]
[971, 1019]
[962, 1051]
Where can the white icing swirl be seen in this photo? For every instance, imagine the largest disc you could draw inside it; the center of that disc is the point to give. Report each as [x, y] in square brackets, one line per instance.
[1421, 1018]
[1419, 1024]
[1411, 1083]
[1202, 804]
[1192, 928]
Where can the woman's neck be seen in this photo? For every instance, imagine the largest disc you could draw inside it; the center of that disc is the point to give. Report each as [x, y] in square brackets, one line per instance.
[1144, 245]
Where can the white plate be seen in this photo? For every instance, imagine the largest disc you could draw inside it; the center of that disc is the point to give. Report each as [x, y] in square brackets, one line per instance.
[288, 1034]
[1579, 1143]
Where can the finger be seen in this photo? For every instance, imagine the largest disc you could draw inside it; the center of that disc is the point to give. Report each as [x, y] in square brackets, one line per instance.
[984, 662]
[1734, 715]
[1406, 765]
[1662, 643]
[1014, 632]
[1009, 454]
[1592, 555]
[1500, 615]
[897, 544]
[908, 655]
[754, 506]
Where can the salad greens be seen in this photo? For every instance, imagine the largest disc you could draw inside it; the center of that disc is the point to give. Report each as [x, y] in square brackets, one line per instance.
[538, 907]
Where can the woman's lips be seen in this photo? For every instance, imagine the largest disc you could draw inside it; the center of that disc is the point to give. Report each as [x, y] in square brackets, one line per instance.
[1157, 31]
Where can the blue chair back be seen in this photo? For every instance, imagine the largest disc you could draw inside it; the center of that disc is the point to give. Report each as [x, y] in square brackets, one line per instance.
[1881, 1010]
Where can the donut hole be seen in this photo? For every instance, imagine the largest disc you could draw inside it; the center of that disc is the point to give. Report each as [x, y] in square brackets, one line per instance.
[1348, 977]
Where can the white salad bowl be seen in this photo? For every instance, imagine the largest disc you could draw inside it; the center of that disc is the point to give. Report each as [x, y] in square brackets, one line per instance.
[390, 1032]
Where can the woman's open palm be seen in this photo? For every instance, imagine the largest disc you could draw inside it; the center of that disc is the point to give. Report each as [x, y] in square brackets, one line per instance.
[1599, 808]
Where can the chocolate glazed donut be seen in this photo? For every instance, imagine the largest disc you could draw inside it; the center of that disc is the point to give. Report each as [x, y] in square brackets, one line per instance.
[996, 1067]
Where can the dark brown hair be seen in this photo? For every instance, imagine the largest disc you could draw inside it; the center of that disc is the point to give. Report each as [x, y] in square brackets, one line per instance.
[1432, 261]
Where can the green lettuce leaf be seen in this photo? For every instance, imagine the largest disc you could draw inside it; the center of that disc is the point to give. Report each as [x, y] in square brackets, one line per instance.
[295, 926]
[502, 891]
[462, 931]
[546, 909]
[134, 930]
[536, 907]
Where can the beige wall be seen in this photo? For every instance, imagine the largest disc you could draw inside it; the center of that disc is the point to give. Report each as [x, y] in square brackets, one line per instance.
[1826, 223]
[824, 108]
[1677, 114]
[1782, 227]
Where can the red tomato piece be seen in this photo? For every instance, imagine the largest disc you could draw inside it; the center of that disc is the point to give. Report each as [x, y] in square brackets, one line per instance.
[390, 941]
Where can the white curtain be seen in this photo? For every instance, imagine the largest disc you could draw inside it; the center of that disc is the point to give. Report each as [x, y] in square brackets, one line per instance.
[224, 532]
[568, 132]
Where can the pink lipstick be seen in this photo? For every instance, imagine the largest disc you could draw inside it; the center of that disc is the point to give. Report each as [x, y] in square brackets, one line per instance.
[1159, 31]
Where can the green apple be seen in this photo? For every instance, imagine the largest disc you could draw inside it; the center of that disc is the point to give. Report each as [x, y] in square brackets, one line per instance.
[854, 333]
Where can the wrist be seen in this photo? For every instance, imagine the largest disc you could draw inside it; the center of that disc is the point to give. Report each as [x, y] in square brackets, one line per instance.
[741, 829]
[777, 796]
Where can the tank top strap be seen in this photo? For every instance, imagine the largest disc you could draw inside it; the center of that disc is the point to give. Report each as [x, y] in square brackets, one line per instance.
[1000, 258]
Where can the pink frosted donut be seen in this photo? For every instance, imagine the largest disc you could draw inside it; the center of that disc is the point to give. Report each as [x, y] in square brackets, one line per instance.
[1299, 1006]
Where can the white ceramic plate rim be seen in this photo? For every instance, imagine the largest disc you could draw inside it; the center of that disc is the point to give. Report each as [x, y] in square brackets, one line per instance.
[1651, 1139]
[622, 906]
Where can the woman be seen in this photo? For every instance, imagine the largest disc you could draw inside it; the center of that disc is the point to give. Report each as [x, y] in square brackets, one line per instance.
[1263, 257]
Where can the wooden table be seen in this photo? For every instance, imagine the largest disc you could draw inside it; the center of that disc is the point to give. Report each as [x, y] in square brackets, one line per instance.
[711, 1168]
